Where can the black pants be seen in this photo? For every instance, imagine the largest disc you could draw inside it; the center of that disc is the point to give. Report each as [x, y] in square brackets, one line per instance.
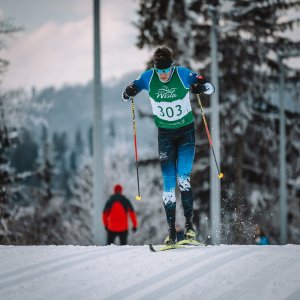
[111, 235]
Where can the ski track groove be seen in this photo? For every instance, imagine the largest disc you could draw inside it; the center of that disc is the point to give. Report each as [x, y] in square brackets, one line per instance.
[22, 278]
[41, 264]
[178, 283]
[295, 295]
[252, 281]
[61, 294]
[130, 291]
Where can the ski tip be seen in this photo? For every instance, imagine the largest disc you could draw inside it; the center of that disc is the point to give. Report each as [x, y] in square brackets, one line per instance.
[152, 248]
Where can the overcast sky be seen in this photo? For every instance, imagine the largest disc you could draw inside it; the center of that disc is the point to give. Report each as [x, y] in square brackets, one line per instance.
[55, 47]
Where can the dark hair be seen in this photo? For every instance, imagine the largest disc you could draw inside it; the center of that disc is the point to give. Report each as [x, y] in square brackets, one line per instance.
[162, 58]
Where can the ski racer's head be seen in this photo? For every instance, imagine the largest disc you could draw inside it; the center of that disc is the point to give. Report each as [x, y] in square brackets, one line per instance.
[118, 189]
[163, 63]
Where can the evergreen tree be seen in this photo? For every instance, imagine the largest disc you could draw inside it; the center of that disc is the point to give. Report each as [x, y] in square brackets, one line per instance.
[47, 226]
[15, 114]
[77, 152]
[25, 154]
[79, 144]
[6, 178]
[7, 139]
[79, 208]
[90, 140]
[73, 162]
[7, 30]
[60, 148]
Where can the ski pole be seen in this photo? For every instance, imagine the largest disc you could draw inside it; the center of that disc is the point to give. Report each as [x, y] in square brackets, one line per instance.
[138, 197]
[220, 175]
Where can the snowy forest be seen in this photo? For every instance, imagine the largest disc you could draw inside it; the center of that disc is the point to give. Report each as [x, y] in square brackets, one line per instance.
[46, 168]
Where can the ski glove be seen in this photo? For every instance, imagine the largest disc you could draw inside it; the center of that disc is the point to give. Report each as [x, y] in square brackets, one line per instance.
[206, 88]
[129, 93]
[198, 88]
[134, 229]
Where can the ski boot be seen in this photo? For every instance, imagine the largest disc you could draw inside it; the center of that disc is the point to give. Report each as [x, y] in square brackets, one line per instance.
[190, 236]
[190, 232]
[171, 238]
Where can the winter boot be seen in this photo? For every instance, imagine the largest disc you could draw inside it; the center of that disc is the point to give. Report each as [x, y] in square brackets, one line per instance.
[190, 233]
[171, 238]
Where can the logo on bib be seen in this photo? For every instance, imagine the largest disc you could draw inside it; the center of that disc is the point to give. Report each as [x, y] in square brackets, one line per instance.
[166, 93]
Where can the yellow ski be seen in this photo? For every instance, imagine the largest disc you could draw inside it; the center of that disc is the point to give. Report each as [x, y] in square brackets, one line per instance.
[189, 243]
[165, 248]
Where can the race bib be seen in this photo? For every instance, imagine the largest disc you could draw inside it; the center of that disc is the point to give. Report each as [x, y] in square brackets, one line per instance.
[171, 111]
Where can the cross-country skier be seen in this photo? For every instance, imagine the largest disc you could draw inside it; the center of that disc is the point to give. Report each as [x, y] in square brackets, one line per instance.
[168, 87]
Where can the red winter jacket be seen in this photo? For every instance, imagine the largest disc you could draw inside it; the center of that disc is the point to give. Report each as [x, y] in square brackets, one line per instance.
[115, 214]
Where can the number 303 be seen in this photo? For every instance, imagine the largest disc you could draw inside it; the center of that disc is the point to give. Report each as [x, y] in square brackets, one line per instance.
[170, 111]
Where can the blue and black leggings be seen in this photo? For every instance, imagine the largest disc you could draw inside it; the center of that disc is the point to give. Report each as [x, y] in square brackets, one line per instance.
[176, 155]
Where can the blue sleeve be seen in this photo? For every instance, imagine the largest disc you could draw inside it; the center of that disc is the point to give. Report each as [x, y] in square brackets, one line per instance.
[187, 76]
[142, 82]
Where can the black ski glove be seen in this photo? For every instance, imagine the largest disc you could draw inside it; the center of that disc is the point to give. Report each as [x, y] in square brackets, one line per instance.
[198, 88]
[134, 229]
[129, 93]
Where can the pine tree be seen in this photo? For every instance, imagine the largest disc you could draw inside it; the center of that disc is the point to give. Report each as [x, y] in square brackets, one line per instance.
[79, 209]
[16, 113]
[60, 148]
[73, 162]
[47, 226]
[7, 176]
[79, 144]
[78, 151]
[7, 139]
[7, 31]
[25, 154]
[90, 140]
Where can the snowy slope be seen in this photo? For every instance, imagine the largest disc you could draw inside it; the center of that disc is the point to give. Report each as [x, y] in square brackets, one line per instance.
[133, 272]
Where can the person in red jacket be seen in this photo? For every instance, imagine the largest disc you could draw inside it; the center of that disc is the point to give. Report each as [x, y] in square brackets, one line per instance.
[115, 216]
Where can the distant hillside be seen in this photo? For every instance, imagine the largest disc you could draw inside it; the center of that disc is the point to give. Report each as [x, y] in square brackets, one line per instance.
[72, 109]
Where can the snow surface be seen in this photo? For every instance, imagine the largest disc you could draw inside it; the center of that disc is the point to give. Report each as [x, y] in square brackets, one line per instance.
[133, 272]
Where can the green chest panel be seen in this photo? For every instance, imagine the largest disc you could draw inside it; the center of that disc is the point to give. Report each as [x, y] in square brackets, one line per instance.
[167, 91]
[170, 102]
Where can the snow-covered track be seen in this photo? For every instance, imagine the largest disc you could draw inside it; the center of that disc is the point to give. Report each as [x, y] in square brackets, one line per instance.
[31, 272]
[133, 272]
[177, 276]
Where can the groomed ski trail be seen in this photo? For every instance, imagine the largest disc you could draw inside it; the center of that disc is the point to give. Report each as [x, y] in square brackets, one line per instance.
[133, 272]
